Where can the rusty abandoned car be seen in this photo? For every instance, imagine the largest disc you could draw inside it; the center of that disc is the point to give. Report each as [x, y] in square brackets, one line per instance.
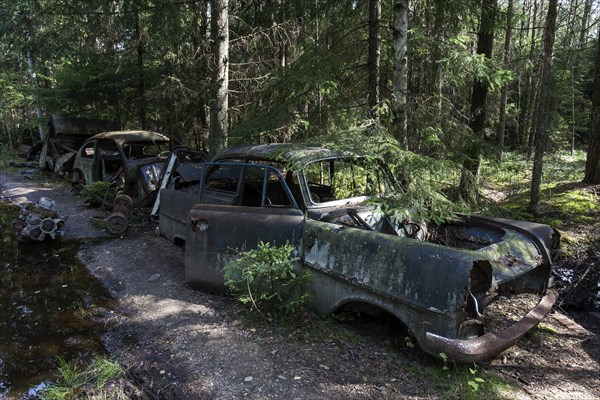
[439, 280]
[133, 157]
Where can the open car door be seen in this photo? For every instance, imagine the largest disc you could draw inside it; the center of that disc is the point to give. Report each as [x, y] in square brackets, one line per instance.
[240, 205]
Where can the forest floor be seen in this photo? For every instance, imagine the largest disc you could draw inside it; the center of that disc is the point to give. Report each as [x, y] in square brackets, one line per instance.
[179, 343]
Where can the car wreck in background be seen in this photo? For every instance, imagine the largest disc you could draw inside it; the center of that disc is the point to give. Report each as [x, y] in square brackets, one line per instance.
[64, 136]
[134, 159]
[439, 280]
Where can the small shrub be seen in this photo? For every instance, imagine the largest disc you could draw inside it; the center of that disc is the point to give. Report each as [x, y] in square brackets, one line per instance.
[267, 278]
[93, 192]
[7, 154]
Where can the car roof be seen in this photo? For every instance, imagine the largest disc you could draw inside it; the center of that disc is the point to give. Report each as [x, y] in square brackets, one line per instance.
[132, 136]
[283, 152]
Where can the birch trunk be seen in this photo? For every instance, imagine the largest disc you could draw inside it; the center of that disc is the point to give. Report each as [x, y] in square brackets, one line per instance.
[400, 77]
[220, 75]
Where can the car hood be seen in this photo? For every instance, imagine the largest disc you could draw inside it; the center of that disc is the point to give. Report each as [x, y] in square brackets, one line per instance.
[511, 247]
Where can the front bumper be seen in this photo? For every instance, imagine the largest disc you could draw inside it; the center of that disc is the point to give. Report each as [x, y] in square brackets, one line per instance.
[490, 344]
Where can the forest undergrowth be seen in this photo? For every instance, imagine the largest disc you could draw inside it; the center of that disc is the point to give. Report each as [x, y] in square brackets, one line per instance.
[568, 205]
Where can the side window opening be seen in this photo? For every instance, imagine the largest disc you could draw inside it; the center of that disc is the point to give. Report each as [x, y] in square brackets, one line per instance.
[276, 194]
[223, 178]
[320, 177]
[110, 158]
[253, 186]
[146, 149]
[263, 188]
[88, 150]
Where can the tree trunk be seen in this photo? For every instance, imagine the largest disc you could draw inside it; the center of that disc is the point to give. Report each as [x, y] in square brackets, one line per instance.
[530, 119]
[527, 100]
[543, 106]
[592, 165]
[568, 38]
[436, 66]
[585, 24]
[11, 143]
[374, 55]
[400, 78]
[485, 43]
[139, 48]
[571, 61]
[504, 93]
[576, 65]
[219, 84]
[520, 95]
[199, 29]
[38, 110]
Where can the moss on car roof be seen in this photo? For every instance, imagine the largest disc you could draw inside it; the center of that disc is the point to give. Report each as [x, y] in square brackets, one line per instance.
[287, 153]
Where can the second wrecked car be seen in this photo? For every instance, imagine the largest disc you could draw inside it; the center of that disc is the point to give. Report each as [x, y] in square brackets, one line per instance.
[439, 280]
[133, 157]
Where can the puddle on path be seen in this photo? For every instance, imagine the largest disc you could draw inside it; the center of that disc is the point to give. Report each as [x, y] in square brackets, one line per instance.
[47, 298]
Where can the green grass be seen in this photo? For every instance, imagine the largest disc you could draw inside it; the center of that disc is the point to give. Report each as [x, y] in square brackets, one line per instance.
[75, 380]
[579, 203]
[563, 166]
[565, 203]
[514, 172]
[509, 175]
[467, 382]
[105, 370]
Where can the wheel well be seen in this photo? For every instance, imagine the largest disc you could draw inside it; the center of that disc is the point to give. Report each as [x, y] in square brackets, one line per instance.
[369, 312]
[361, 307]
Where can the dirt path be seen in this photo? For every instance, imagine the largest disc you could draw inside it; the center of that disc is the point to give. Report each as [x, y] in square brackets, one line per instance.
[179, 343]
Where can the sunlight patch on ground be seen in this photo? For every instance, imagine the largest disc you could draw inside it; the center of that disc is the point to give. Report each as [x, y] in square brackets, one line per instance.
[164, 307]
[19, 194]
